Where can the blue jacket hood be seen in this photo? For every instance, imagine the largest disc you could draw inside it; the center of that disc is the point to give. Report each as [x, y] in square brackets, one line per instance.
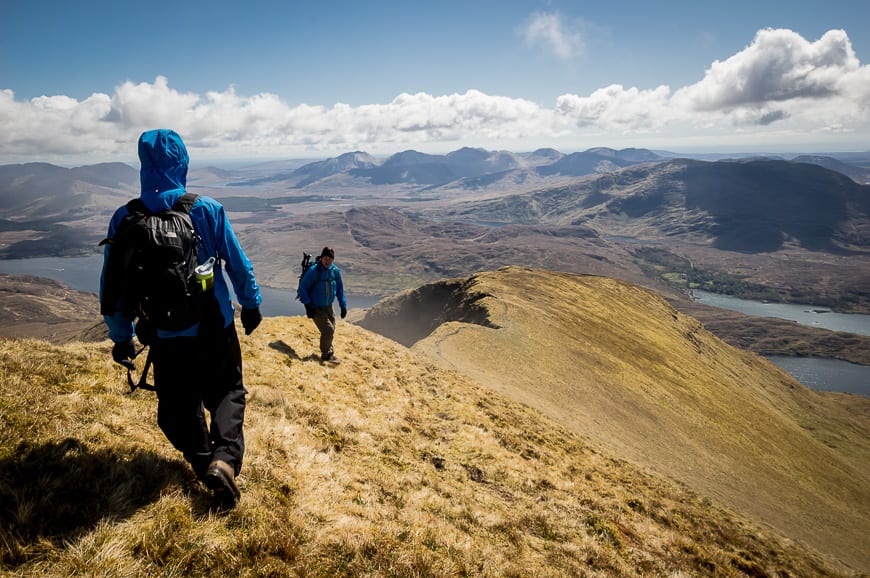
[164, 161]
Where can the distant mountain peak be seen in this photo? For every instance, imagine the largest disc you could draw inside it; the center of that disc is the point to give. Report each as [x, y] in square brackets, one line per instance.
[411, 157]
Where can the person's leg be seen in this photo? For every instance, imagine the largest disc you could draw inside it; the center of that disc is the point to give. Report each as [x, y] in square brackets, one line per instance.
[324, 318]
[179, 407]
[224, 397]
[219, 383]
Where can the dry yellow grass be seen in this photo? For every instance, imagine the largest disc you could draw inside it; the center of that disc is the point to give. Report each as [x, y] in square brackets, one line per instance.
[385, 465]
[616, 364]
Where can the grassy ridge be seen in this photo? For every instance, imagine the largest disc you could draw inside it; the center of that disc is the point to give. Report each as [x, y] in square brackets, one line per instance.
[618, 365]
[382, 466]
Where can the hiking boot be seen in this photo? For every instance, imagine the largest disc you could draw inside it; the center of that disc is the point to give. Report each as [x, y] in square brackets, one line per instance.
[330, 359]
[221, 479]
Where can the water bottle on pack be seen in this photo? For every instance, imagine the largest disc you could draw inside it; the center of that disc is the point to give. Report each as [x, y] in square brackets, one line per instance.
[205, 275]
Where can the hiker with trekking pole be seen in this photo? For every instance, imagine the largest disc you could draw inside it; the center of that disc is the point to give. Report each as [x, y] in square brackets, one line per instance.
[164, 261]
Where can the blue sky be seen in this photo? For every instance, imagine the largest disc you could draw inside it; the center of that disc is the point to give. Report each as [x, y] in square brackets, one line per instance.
[280, 79]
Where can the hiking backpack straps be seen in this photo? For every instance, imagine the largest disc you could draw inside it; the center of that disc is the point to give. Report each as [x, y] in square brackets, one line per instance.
[150, 266]
[330, 278]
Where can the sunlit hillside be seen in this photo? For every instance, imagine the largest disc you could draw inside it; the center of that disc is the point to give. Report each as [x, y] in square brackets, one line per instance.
[382, 466]
[615, 364]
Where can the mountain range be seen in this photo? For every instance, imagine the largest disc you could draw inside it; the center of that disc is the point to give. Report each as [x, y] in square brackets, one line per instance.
[749, 205]
[760, 228]
[746, 205]
[469, 167]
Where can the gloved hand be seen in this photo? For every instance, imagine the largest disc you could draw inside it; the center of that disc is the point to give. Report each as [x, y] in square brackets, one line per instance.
[343, 312]
[251, 319]
[309, 310]
[123, 352]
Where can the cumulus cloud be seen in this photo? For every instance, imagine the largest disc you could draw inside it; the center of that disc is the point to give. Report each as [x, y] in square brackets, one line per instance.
[618, 108]
[783, 76]
[778, 66]
[548, 31]
[228, 123]
[781, 87]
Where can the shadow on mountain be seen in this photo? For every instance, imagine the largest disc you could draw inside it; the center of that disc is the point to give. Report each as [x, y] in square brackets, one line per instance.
[758, 205]
[58, 491]
[409, 317]
[753, 206]
[55, 239]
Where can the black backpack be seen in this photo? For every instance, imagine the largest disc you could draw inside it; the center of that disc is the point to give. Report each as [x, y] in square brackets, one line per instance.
[150, 266]
[307, 262]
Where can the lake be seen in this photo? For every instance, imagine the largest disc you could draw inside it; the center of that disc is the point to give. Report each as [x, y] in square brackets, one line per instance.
[83, 274]
[827, 374]
[810, 315]
[818, 373]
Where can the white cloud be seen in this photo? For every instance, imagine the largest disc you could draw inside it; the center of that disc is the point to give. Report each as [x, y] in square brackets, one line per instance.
[225, 123]
[780, 90]
[145, 104]
[620, 109]
[53, 125]
[778, 66]
[779, 87]
[782, 76]
[548, 30]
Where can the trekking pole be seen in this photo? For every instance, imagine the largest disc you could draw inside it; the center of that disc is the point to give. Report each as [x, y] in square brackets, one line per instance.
[142, 383]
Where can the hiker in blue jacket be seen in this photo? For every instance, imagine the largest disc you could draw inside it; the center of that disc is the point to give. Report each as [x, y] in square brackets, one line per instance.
[319, 286]
[199, 366]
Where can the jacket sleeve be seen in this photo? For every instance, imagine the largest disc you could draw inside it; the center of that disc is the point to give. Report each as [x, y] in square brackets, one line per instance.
[240, 269]
[227, 247]
[339, 289]
[120, 325]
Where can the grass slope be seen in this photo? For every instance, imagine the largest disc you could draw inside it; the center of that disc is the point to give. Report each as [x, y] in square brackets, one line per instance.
[382, 466]
[616, 364]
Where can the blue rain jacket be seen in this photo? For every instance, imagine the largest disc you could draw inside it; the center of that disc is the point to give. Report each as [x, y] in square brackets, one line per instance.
[320, 286]
[163, 177]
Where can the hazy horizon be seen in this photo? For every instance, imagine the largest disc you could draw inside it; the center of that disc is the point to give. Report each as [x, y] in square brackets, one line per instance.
[231, 163]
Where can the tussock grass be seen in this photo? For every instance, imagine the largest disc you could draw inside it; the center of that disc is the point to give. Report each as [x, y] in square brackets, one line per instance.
[385, 465]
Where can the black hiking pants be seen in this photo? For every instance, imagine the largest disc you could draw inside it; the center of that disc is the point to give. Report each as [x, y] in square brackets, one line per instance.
[193, 374]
